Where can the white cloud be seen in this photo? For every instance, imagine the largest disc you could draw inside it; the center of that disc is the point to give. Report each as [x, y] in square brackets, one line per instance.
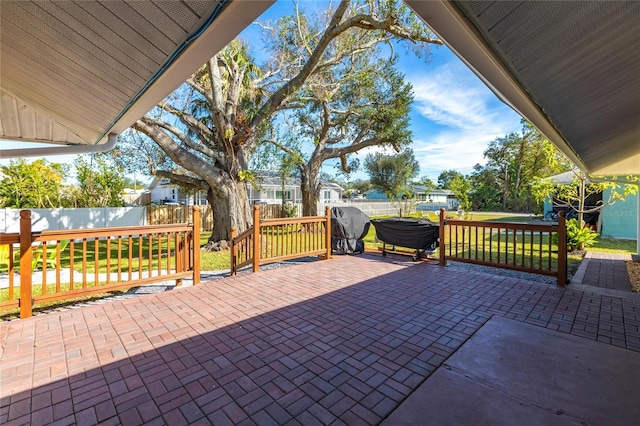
[457, 117]
[464, 116]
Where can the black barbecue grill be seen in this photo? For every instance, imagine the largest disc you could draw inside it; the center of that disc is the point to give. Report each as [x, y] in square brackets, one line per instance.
[419, 234]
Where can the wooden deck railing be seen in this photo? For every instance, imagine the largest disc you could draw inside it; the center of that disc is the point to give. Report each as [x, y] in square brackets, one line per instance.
[272, 240]
[80, 262]
[518, 246]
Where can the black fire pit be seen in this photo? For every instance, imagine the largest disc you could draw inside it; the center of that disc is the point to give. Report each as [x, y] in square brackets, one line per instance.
[419, 234]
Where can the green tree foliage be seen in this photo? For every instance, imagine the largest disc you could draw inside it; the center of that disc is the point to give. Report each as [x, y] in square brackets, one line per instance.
[356, 188]
[485, 195]
[101, 182]
[445, 178]
[390, 174]
[428, 184]
[32, 185]
[461, 187]
[513, 163]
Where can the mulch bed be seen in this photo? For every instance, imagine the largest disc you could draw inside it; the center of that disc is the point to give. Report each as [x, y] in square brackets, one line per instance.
[633, 267]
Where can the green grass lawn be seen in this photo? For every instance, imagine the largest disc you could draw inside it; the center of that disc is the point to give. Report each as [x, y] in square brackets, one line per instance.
[614, 245]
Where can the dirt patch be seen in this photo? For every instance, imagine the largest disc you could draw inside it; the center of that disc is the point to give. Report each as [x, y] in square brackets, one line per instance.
[634, 274]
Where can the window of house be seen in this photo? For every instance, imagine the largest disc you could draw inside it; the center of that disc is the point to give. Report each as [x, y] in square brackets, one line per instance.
[327, 195]
[287, 195]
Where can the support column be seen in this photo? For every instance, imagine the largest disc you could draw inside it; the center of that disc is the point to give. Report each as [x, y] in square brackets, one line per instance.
[26, 268]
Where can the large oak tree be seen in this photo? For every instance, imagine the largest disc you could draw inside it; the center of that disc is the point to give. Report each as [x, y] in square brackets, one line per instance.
[211, 127]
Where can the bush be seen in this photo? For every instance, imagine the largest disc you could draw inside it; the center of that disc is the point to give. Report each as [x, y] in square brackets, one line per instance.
[578, 234]
[289, 209]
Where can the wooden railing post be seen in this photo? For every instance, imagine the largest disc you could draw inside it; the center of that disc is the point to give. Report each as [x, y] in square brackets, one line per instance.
[196, 245]
[233, 250]
[562, 249]
[256, 238]
[327, 214]
[26, 269]
[442, 260]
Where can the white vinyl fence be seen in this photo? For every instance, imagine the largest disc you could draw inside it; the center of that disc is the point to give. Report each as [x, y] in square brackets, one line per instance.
[369, 207]
[64, 218]
[109, 217]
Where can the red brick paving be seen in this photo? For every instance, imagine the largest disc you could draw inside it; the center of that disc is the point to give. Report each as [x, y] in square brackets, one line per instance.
[333, 342]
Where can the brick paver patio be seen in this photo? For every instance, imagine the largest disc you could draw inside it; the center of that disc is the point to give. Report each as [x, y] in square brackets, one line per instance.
[332, 342]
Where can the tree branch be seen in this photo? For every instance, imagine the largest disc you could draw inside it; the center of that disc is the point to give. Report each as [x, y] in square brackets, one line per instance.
[180, 156]
[192, 182]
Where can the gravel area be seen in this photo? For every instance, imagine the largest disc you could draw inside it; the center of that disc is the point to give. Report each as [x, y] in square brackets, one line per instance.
[504, 272]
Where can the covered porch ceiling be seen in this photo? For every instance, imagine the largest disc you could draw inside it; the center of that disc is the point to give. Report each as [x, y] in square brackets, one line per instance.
[75, 74]
[572, 68]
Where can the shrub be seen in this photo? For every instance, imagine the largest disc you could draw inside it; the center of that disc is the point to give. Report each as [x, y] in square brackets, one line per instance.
[289, 209]
[578, 234]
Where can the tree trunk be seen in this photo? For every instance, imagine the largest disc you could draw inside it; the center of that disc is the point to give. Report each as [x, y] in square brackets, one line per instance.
[505, 190]
[516, 187]
[230, 207]
[310, 187]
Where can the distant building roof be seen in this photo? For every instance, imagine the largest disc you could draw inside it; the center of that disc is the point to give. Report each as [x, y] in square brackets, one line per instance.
[563, 178]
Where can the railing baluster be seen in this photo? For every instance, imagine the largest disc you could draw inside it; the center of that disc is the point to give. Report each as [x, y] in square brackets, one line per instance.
[523, 245]
[484, 239]
[119, 258]
[499, 246]
[515, 246]
[168, 269]
[108, 260]
[159, 254]
[96, 260]
[150, 254]
[84, 263]
[491, 244]
[531, 248]
[44, 268]
[549, 257]
[139, 256]
[72, 258]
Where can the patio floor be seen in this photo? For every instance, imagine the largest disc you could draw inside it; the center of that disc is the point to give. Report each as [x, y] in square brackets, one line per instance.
[344, 341]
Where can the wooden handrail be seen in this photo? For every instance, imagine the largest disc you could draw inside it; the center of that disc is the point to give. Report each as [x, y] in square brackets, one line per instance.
[271, 240]
[512, 252]
[174, 248]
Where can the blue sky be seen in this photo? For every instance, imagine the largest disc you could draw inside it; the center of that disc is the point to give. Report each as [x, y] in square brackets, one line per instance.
[454, 115]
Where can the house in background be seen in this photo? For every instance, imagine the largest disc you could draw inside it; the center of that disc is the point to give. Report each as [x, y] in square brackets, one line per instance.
[429, 199]
[618, 220]
[165, 192]
[269, 190]
[137, 197]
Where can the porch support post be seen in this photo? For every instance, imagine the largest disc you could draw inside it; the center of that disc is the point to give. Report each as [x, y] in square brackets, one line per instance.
[327, 214]
[256, 238]
[196, 245]
[638, 223]
[26, 268]
[232, 245]
[442, 261]
[562, 249]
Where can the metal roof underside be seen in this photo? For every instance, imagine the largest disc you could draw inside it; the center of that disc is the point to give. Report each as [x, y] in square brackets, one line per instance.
[73, 72]
[571, 68]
